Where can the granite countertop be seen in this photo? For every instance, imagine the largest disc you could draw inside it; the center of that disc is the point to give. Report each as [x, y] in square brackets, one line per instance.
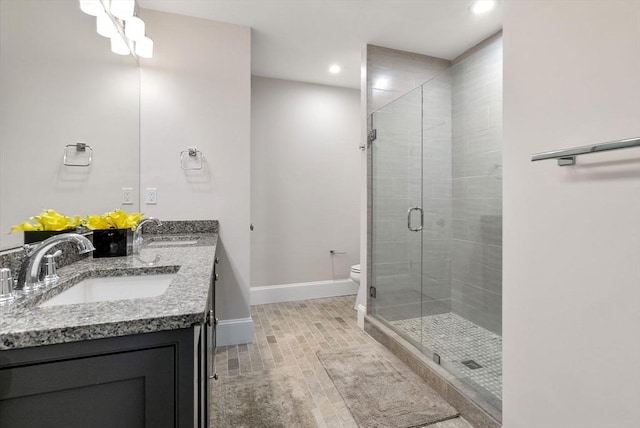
[24, 323]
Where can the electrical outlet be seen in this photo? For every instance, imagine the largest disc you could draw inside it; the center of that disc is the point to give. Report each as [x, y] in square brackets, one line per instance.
[127, 196]
[151, 196]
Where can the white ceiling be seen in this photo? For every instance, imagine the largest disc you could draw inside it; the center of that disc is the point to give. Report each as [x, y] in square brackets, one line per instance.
[300, 39]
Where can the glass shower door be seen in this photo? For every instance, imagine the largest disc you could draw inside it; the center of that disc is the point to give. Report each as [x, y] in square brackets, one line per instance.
[438, 210]
[436, 245]
[461, 283]
[397, 210]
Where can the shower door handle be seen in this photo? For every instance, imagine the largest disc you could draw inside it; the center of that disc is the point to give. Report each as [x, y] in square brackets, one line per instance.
[419, 228]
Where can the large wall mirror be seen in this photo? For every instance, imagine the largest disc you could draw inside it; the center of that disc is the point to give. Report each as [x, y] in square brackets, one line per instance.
[60, 84]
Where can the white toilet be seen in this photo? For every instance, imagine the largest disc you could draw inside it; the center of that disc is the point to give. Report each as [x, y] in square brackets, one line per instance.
[355, 277]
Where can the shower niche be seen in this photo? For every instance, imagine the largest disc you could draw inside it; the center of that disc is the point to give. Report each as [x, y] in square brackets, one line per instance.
[436, 220]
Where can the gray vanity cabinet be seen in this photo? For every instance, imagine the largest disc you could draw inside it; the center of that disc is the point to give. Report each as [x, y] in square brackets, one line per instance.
[154, 380]
[144, 380]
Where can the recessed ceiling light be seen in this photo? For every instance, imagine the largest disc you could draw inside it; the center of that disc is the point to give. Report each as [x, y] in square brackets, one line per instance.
[482, 6]
[334, 69]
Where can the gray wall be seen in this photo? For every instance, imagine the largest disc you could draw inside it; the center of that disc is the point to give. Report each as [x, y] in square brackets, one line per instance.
[305, 165]
[571, 234]
[477, 185]
[188, 99]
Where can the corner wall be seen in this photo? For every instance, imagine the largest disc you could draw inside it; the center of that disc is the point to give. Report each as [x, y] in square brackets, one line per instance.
[196, 91]
[571, 234]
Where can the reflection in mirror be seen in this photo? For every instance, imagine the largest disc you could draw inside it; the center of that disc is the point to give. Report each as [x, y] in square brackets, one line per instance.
[60, 84]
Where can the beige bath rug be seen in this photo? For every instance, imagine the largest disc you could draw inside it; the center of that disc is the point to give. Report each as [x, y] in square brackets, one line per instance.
[381, 391]
[276, 399]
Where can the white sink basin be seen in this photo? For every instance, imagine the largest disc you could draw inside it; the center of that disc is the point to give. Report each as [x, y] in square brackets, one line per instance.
[112, 288]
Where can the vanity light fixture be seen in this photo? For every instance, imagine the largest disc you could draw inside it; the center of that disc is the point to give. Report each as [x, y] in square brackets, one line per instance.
[144, 47]
[91, 7]
[105, 26]
[122, 9]
[482, 6]
[119, 46]
[116, 20]
[334, 69]
[134, 28]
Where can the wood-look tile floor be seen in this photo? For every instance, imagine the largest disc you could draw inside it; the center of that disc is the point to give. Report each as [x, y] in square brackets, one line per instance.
[287, 335]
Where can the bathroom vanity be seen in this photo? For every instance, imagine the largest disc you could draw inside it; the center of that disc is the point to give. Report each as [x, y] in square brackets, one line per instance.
[134, 362]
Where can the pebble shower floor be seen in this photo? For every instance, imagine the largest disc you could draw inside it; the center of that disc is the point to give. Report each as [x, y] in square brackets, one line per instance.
[456, 340]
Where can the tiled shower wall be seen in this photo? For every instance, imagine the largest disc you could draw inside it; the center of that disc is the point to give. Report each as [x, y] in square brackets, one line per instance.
[396, 187]
[460, 178]
[396, 166]
[477, 186]
[436, 195]
[392, 73]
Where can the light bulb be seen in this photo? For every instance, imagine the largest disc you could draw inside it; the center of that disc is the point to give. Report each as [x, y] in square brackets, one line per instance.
[144, 47]
[134, 28]
[119, 46]
[91, 7]
[123, 9]
[105, 26]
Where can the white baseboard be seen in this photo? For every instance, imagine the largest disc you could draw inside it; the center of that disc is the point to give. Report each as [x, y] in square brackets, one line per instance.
[234, 331]
[302, 291]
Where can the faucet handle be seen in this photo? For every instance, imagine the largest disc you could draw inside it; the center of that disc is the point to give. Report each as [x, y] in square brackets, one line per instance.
[6, 287]
[51, 270]
[56, 254]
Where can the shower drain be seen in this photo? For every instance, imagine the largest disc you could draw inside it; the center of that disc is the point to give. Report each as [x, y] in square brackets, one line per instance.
[471, 364]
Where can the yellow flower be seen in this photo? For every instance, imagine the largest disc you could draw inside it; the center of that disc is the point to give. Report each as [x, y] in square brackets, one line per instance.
[117, 219]
[25, 226]
[48, 220]
[94, 221]
[75, 221]
[133, 220]
[51, 220]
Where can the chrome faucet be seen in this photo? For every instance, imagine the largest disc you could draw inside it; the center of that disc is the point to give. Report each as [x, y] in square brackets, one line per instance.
[137, 239]
[29, 277]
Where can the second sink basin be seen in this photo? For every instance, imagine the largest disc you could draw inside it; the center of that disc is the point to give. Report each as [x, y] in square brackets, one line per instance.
[112, 288]
[160, 240]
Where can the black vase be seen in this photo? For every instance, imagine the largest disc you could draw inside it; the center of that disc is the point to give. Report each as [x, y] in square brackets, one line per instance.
[112, 242]
[31, 236]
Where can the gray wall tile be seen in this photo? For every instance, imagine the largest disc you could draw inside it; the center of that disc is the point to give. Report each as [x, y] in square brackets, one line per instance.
[477, 187]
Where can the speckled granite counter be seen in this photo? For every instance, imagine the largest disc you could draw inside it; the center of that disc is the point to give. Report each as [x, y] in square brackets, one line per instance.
[25, 324]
